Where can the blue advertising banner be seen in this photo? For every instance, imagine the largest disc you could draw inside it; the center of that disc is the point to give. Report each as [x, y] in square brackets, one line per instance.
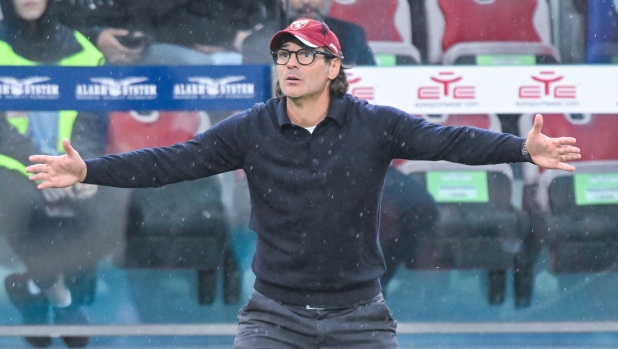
[110, 88]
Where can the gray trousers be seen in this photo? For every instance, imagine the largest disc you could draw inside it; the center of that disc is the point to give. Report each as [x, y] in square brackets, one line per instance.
[265, 323]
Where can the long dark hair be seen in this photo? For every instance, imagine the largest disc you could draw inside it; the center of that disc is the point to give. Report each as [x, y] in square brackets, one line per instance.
[338, 87]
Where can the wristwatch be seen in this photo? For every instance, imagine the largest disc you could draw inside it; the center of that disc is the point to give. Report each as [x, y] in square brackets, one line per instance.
[524, 151]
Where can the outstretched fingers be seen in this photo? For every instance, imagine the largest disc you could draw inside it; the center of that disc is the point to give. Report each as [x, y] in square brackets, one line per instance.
[41, 173]
[45, 184]
[538, 125]
[38, 168]
[57, 171]
[566, 167]
[68, 148]
[570, 157]
[39, 159]
[567, 149]
[565, 141]
[568, 153]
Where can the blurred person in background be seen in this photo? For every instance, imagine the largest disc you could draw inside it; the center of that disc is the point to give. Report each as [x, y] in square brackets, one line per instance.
[149, 32]
[59, 236]
[213, 27]
[601, 35]
[352, 37]
[125, 30]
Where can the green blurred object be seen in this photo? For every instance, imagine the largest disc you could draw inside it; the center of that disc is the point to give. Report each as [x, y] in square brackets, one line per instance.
[458, 186]
[489, 60]
[386, 60]
[596, 189]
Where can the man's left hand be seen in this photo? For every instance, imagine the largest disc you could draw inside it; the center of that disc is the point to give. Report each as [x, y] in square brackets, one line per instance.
[551, 153]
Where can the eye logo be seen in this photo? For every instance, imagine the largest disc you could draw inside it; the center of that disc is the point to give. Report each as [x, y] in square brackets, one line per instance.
[447, 80]
[361, 92]
[547, 87]
[300, 24]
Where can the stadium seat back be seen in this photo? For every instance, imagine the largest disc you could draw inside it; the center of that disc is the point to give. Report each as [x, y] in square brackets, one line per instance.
[134, 130]
[486, 233]
[488, 27]
[387, 24]
[382, 28]
[577, 211]
[469, 20]
[179, 226]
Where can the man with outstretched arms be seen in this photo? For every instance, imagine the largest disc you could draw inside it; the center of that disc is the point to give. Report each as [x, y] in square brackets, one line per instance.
[315, 158]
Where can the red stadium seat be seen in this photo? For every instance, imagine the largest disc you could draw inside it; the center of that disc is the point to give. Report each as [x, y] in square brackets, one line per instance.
[134, 130]
[503, 32]
[387, 24]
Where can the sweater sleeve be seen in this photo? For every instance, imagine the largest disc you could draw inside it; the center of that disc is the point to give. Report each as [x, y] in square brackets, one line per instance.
[414, 138]
[219, 149]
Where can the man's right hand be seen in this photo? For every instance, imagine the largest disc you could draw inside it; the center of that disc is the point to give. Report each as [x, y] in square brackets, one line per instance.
[114, 51]
[58, 171]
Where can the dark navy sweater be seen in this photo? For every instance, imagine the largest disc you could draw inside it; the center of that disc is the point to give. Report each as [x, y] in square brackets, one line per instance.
[315, 197]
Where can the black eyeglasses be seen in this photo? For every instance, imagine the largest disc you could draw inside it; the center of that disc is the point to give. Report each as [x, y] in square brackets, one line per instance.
[304, 56]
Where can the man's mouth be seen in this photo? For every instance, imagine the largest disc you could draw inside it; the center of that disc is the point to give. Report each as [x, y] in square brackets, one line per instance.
[30, 4]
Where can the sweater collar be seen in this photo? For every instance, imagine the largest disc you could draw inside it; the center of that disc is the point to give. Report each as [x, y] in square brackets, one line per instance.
[336, 111]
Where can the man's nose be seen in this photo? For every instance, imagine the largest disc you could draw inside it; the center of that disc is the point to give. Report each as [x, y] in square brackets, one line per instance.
[293, 62]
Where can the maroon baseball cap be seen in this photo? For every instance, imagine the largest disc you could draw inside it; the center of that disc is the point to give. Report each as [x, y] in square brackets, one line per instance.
[311, 33]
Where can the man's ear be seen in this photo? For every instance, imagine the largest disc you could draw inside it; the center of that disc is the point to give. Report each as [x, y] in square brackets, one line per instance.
[333, 68]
